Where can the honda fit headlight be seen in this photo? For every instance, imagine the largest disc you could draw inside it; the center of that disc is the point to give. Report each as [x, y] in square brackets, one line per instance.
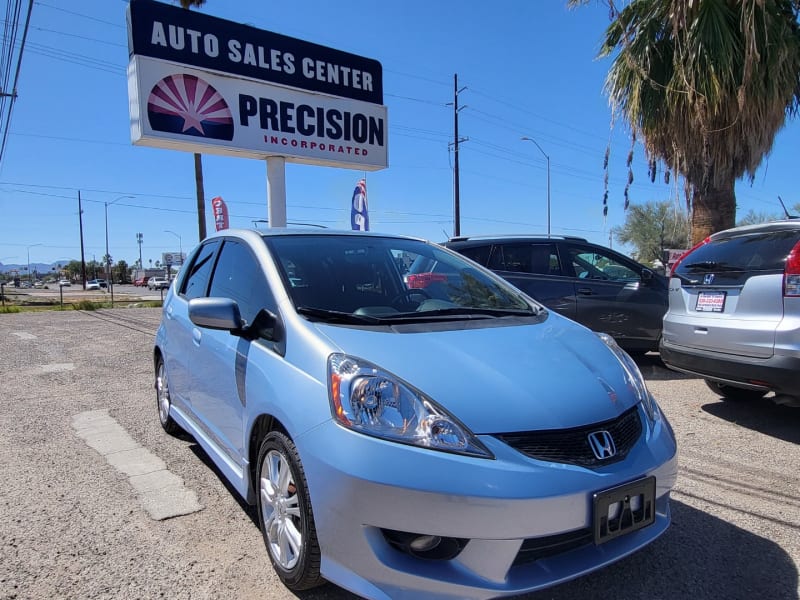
[633, 377]
[367, 399]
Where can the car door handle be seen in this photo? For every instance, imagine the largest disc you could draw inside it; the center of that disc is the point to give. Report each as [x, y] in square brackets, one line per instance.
[585, 291]
[196, 336]
[169, 312]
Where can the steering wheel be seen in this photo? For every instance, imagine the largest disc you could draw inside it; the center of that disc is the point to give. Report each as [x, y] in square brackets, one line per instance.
[407, 296]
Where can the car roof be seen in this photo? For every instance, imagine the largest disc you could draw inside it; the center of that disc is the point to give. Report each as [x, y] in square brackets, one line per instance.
[781, 225]
[524, 237]
[289, 231]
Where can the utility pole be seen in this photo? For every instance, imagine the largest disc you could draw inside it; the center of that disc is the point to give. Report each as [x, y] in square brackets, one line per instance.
[139, 240]
[456, 141]
[83, 260]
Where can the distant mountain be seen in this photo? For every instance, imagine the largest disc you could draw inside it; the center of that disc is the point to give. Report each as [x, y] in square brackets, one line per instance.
[40, 268]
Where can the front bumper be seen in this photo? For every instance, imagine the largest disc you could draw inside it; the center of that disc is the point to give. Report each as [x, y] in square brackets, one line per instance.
[778, 373]
[361, 486]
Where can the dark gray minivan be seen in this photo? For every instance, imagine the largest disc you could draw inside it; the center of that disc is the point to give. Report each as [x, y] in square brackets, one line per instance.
[589, 283]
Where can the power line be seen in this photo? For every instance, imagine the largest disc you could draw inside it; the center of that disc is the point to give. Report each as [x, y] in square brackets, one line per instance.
[13, 95]
[84, 16]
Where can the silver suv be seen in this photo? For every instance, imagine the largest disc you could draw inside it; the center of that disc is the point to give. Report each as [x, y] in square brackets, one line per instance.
[734, 312]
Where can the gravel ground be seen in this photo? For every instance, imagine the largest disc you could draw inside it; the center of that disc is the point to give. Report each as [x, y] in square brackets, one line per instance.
[72, 527]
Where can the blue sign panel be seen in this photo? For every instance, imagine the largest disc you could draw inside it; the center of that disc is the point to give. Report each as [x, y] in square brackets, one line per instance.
[189, 37]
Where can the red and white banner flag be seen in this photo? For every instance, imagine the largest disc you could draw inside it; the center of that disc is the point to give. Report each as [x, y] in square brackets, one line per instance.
[220, 213]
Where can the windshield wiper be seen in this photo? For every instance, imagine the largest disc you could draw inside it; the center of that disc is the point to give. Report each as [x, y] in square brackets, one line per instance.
[457, 313]
[336, 316]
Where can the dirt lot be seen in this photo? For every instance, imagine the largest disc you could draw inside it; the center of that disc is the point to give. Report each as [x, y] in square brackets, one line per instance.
[72, 526]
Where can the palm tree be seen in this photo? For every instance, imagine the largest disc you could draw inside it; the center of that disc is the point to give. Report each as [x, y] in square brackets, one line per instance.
[198, 161]
[706, 85]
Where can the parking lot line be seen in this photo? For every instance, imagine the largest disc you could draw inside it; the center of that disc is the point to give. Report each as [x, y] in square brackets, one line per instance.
[161, 493]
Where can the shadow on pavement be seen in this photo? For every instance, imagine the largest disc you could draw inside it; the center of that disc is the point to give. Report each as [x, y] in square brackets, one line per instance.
[700, 557]
[200, 453]
[653, 369]
[764, 416]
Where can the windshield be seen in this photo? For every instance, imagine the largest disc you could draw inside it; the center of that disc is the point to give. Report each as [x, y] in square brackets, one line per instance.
[368, 276]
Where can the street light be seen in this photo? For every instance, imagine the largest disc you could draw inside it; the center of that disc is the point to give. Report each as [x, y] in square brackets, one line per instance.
[29, 259]
[108, 256]
[139, 240]
[180, 243]
[530, 139]
[180, 251]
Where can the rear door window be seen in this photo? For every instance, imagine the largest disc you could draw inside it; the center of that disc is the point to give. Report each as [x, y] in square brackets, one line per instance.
[534, 259]
[480, 254]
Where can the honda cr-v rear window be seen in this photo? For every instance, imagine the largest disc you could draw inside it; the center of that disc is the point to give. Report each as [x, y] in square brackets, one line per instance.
[762, 251]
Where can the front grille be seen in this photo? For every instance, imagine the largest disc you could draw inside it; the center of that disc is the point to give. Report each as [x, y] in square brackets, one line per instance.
[533, 549]
[571, 446]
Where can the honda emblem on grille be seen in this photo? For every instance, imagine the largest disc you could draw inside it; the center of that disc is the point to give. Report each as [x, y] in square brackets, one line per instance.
[602, 444]
[708, 279]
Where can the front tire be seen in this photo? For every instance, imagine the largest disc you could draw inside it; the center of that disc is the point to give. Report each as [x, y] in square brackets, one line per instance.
[285, 515]
[163, 401]
[730, 392]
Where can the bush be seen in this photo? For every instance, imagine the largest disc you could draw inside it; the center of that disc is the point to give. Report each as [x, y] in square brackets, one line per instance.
[9, 309]
[85, 305]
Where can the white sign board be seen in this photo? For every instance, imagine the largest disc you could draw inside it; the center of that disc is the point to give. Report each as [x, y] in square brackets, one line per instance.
[172, 258]
[173, 106]
[202, 84]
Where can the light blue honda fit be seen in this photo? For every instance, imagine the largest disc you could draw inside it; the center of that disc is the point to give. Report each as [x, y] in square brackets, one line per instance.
[430, 435]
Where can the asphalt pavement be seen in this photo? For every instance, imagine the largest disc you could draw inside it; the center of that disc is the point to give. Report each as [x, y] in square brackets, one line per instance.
[75, 523]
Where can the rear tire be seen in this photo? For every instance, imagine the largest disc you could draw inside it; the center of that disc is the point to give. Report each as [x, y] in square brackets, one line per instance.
[163, 401]
[285, 515]
[730, 392]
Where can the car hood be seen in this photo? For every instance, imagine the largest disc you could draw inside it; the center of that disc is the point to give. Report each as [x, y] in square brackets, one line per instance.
[551, 375]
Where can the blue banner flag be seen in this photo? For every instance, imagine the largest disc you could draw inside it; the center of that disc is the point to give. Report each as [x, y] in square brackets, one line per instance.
[359, 217]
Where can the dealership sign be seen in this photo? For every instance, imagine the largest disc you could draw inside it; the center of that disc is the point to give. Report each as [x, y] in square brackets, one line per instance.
[203, 84]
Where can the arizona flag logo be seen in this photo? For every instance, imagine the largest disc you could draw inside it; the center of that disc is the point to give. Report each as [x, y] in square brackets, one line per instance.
[359, 216]
[186, 104]
[220, 213]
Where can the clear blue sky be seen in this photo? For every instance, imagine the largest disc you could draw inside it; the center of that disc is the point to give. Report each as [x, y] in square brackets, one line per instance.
[529, 69]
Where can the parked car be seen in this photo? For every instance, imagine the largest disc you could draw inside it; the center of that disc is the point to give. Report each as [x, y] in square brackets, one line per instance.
[157, 283]
[64, 282]
[102, 283]
[141, 281]
[734, 312]
[589, 283]
[404, 441]
[92, 284]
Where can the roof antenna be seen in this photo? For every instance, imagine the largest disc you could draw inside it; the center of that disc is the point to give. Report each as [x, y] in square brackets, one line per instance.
[786, 212]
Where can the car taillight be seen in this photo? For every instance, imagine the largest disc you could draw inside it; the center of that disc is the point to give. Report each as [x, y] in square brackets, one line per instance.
[418, 281]
[687, 253]
[791, 273]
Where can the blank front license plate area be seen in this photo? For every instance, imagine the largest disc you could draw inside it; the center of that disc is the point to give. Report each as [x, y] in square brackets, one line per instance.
[624, 509]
